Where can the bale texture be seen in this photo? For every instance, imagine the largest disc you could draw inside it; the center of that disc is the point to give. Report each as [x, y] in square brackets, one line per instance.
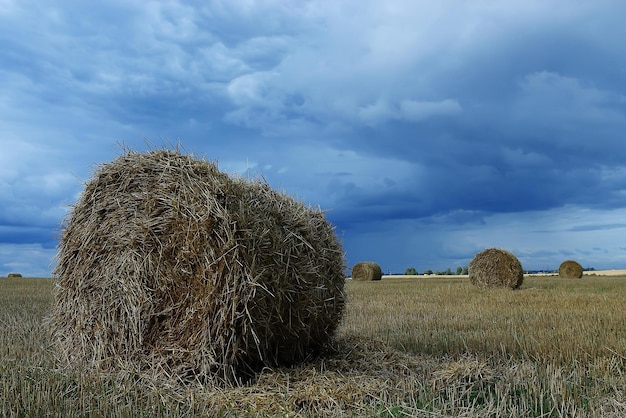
[14, 275]
[166, 262]
[570, 269]
[494, 267]
[367, 271]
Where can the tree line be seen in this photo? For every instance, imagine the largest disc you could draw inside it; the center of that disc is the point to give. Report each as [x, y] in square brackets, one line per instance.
[447, 272]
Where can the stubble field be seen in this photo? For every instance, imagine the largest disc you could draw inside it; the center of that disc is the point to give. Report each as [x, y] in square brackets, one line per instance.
[425, 346]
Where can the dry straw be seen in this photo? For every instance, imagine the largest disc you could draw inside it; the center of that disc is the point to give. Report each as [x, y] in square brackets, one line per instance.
[494, 267]
[570, 269]
[167, 263]
[366, 271]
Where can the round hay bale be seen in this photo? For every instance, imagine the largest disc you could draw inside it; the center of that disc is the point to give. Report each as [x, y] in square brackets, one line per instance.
[165, 261]
[494, 267]
[14, 275]
[570, 269]
[367, 271]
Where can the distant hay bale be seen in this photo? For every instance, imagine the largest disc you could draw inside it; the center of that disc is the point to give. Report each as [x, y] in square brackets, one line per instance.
[494, 267]
[167, 263]
[570, 269]
[14, 275]
[367, 271]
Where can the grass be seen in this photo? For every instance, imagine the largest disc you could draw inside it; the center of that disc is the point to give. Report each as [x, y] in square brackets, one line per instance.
[549, 319]
[406, 347]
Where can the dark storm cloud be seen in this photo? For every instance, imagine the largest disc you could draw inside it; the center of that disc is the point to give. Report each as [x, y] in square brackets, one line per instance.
[18, 234]
[445, 126]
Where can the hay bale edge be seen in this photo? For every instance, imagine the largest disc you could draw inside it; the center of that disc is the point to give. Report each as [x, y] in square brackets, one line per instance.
[495, 267]
[367, 271]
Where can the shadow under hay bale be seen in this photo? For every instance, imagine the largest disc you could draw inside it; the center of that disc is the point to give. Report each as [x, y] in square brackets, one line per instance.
[166, 262]
[570, 269]
[367, 271]
[494, 267]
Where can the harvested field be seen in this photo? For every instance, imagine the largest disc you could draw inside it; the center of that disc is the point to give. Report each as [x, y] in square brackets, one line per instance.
[605, 273]
[438, 347]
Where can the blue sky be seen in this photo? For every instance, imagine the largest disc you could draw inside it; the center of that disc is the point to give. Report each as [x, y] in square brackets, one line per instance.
[428, 130]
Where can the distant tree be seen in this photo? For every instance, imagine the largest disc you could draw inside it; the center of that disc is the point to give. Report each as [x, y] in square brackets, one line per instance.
[429, 271]
[448, 272]
[459, 270]
[437, 273]
[410, 271]
[465, 270]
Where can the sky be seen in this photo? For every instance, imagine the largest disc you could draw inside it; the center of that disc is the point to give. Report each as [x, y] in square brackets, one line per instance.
[427, 130]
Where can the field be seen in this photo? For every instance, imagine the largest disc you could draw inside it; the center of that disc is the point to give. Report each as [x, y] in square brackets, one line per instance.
[408, 346]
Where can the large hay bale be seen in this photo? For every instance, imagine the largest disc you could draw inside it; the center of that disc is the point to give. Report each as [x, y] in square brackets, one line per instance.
[570, 269]
[166, 262]
[494, 267]
[367, 271]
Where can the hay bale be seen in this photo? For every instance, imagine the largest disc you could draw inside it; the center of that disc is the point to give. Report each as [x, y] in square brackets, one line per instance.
[367, 271]
[14, 275]
[570, 269]
[166, 262]
[494, 267]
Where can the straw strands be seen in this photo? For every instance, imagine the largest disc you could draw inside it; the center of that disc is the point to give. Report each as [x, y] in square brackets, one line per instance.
[494, 267]
[366, 271]
[167, 263]
[570, 269]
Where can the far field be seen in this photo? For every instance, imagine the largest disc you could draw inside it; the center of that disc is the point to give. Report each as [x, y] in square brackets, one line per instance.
[408, 346]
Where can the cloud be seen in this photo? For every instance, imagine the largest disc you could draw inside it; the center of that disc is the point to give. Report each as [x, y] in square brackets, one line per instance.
[415, 110]
[409, 110]
[444, 126]
[31, 260]
[562, 100]
[592, 227]
[439, 244]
